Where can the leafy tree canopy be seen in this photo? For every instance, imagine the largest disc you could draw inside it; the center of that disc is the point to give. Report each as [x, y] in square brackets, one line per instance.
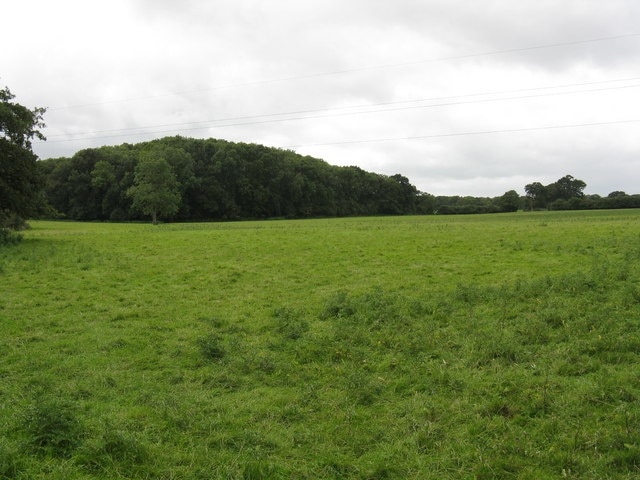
[155, 189]
[212, 179]
[510, 201]
[20, 185]
[545, 196]
[219, 180]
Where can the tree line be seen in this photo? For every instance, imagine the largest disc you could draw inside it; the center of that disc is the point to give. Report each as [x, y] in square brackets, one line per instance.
[186, 179]
[567, 193]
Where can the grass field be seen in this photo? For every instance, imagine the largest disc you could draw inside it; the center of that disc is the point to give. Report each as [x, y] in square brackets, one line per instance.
[439, 347]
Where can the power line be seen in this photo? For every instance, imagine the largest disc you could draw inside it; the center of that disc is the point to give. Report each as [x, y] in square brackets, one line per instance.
[461, 134]
[357, 69]
[133, 131]
[348, 107]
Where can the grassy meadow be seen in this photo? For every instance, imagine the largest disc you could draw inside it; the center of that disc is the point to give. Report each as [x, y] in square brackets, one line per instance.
[435, 347]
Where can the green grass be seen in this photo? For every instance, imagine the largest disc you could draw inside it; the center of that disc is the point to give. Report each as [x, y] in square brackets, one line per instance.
[494, 346]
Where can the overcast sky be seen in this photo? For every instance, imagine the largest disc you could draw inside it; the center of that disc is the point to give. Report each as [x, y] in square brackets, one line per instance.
[463, 97]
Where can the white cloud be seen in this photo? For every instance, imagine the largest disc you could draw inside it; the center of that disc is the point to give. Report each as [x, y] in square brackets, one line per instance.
[111, 70]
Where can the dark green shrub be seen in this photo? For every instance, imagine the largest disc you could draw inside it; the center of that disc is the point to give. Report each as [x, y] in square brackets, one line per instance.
[363, 389]
[260, 471]
[503, 349]
[13, 222]
[52, 427]
[115, 450]
[337, 306]
[577, 365]
[379, 308]
[290, 323]
[469, 294]
[10, 462]
[211, 347]
[338, 469]
[9, 237]
[626, 460]
[384, 471]
[10, 225]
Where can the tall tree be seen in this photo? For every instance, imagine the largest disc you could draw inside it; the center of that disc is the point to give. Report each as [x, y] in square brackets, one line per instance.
[568, 187]
[20, 182]
[536, 195]
[509, 202]
[155, 189]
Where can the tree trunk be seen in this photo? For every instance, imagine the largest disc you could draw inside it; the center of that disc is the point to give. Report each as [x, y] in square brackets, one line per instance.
[154, 217]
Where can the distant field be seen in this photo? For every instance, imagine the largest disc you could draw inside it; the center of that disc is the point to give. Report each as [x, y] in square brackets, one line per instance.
[435, 347]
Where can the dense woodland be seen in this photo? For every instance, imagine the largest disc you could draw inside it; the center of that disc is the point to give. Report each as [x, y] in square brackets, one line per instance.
[177, 178]
[220, 180]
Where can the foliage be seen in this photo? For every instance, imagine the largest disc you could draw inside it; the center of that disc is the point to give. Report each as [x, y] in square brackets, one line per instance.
[10, 461]
[20, 183]
[564, 194]
[8, 236]
[52, 427]
[447, 205]
[18, 124]
[155, 188]
[510, 201]
[211, 347]
[114, 453]
[564, 189]
[433, 347]
[219, 180]
[594, 202]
